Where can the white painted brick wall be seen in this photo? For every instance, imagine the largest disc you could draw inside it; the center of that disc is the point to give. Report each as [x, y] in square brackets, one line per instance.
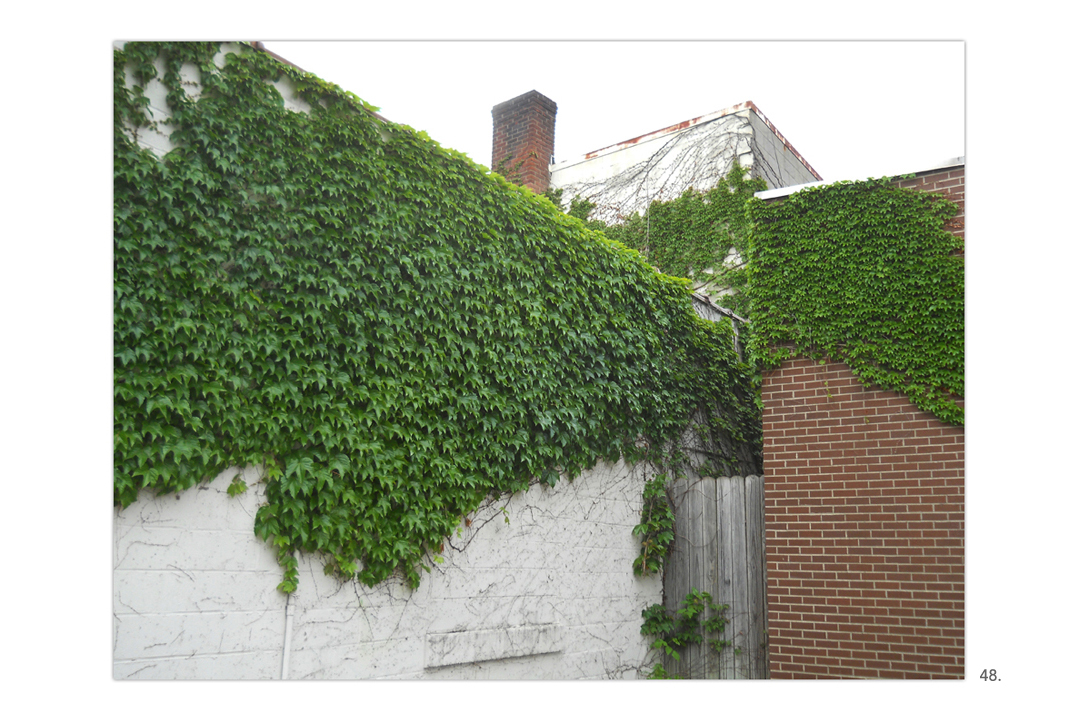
[194, 591]
[551, 595]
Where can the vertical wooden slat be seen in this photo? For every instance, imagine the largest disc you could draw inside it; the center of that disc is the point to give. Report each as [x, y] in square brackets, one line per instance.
[711, 566]
[685, 667]
[755, 566]
[727, 562]
[680, 569]
[694, 499]
[763, 565]
[671, 567]
[740, 605]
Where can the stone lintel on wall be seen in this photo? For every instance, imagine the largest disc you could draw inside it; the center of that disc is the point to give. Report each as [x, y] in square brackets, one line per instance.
[472, 646]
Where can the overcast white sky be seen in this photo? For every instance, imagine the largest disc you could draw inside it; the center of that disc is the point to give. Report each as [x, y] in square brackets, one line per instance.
[852, 109]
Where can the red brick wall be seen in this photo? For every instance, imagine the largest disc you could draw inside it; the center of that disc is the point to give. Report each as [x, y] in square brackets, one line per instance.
[948, 182]
[524, 130]
[864, 518]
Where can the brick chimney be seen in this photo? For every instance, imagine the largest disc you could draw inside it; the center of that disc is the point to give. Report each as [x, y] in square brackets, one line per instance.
[524, 132]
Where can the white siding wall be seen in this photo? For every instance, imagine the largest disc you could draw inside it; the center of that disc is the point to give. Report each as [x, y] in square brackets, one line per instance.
[623, 179]
[549, 595]
[776, 162]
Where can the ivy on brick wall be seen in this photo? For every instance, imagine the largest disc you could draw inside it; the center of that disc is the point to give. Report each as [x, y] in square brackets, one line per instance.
[391, 331]
[862, 272]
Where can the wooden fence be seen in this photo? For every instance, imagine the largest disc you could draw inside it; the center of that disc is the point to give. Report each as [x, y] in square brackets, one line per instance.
[720, 549]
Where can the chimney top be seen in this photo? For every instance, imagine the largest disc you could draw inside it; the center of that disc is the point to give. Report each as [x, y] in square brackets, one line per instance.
[523, 139]
[525, 99]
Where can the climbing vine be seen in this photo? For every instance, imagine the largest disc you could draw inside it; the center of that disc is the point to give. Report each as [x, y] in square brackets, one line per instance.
[861, 272]
[657, 527]
[699, 235]
[866, 273]
[393, 333]
[698, 616]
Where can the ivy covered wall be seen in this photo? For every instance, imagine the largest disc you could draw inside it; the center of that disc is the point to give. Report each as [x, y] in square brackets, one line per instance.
[868, 274]
[392, 332]
[857, 293]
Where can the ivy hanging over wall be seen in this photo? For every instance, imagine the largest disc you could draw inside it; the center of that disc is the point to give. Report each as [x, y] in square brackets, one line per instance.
[862, 272]
[391, 331]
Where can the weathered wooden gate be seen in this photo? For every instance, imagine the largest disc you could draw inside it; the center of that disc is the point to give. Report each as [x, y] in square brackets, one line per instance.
[720, 549]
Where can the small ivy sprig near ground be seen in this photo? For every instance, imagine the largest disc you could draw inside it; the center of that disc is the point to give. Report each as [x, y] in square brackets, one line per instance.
[697, 616]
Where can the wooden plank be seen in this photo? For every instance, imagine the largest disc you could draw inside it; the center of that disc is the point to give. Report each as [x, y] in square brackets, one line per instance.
[710, 566]
[755, 545]
[720, 548]
[740, 606]
[726, 567]
[680, 569]
[693, 543]
[671, 568]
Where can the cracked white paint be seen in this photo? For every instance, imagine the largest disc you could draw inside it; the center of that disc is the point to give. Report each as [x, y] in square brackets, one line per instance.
[472, 646]
[550, 595]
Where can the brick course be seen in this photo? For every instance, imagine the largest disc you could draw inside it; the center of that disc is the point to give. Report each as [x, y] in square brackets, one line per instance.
[948, 182]
[864, 516]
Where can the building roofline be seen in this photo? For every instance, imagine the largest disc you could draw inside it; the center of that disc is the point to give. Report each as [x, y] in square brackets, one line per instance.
[791, 190]
[789, 146]
[261, 47]
[732, 110]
